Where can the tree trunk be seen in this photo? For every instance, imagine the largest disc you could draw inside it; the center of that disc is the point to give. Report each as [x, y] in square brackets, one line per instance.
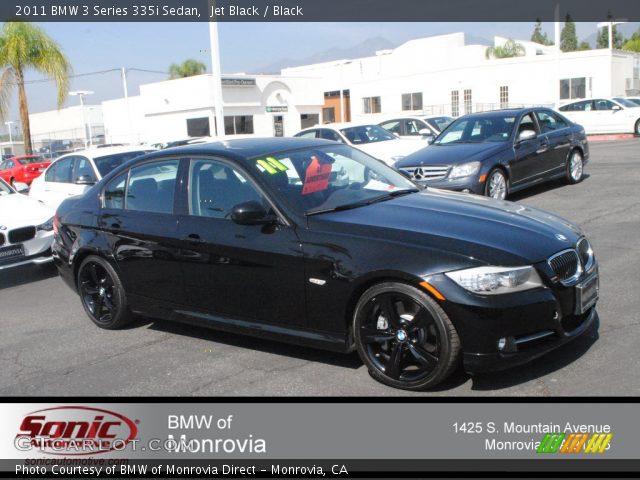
[24, 113]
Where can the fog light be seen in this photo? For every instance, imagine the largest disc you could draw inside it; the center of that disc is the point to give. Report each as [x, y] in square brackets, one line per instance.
[466, 190]
[502, 343]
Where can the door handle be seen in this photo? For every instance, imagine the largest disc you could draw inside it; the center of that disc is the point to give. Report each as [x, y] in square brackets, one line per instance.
[194, 238]
[115, 226]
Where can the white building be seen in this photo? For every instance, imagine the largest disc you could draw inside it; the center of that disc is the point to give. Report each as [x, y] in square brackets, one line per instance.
[182, 108]
[443, 75]
[72, 123]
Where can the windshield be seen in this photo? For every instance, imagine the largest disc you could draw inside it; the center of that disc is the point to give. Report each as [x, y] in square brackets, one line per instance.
[367, 134]
[110, 162]
[494, 128]
[626, 102]
[314, 180]
[439, 123]
[28, 160]
[4, 188]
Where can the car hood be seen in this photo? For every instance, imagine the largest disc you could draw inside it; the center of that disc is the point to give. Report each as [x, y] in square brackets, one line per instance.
[452, 154]
[17, 210]
[392, 148]
[479, 228]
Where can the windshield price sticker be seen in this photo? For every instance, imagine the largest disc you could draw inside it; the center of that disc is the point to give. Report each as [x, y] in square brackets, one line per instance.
[317, 176]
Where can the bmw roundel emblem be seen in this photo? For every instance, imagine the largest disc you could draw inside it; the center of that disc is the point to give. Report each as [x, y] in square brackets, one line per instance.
[561, 237]
[2, 227]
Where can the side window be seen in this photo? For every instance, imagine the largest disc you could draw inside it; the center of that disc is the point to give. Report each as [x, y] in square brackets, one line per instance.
[114, 192]
[10, 164]
[393, 126]
[550, 121]
[526, 123]
[412, 127]
[308, 134]
[215, 188]
[60, 171]
[604, 105]
[151, 187]
[84, 169]
[330, 135]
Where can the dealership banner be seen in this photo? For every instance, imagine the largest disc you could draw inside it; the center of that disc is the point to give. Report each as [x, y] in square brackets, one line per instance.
[315, 439]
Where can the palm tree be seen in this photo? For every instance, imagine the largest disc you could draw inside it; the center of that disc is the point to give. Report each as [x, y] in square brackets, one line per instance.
[510, 49]
[25, 46]
[188, 68]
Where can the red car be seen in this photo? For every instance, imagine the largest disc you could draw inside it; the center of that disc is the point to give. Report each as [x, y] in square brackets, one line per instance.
[23, 168]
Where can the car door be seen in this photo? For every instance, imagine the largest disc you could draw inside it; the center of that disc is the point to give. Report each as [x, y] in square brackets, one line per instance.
[250, 272]
[138, 217]
[610, 117]
[581, 113]
[57, 184]
[559, 136]
[529, 154]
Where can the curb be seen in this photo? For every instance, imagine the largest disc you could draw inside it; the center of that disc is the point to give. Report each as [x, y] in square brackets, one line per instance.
[608, 138]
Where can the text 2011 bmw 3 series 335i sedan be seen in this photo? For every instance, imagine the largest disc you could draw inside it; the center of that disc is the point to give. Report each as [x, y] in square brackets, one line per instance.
[317, 243]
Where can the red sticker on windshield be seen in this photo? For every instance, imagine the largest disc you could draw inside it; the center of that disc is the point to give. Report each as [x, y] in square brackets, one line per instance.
[317, 177]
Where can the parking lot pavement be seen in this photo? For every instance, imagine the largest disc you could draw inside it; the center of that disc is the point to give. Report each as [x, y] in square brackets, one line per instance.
[49, 347]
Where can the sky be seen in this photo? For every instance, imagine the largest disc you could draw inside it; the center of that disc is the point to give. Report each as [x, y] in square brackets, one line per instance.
[94, 47]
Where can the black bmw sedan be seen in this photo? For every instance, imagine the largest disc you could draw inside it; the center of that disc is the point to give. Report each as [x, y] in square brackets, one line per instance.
[317, 243]
[500, 152]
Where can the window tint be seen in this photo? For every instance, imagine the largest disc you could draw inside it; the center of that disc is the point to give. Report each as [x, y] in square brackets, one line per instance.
[527, 123]
[585, 106]
[549, 121]
[114, 192]
[29, 160]
[10, 164]
[215, 188]
[330, 135]
[151, 187]
[309, 134]
[60, 171]
[111, 162]
[84, 169]
[393, 126]
[604, 105]
[412, 127]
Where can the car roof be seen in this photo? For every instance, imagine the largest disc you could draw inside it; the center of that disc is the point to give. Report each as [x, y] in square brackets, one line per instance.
[495, 113]
[245, 148]
[103, 152]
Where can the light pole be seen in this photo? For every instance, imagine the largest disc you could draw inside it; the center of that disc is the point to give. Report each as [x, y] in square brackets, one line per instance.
[216, 76]
[9, 124]
[82, 94]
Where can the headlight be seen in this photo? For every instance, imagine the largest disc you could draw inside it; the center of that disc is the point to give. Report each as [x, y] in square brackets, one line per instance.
[464, 170]
[46, 226]
[496, 280]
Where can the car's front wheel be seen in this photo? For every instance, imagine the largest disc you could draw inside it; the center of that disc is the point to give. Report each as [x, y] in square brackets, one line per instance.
[496, 186]
[575, 167]
[102, 294]
[404, 337]
[636, 129]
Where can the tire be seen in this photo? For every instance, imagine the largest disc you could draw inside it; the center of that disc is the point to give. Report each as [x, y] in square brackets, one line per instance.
[100, 289]
[13, 183]
[404, 338]
[497, 186]
[636, 129]
[574, 170]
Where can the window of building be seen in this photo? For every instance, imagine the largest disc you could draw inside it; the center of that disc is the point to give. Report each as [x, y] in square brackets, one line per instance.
[371, 105]
[468, 102]
[309, 120]
[455, 103]
[239, 124]
[504, 96]
[412, 101]
[328, 115]
[571, 88]
[198, 127]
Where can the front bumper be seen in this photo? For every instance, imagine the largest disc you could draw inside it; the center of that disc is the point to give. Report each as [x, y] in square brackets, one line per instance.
[36, 251]
[470, 184]
[503, 331]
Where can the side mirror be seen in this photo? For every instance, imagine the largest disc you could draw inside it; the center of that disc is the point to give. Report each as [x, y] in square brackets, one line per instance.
[85, 180]
[396, 134]
[526, 135]
[21, 187]
[616, 108]
[250, 213]
[425, 132]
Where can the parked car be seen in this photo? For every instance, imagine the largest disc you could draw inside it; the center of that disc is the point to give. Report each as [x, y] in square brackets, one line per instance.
[52, 146]
[265, 237]
[371, 139]
[23, 169]
[73, 173]
[604, 115]
[26, 229]
[635, 100]
[426, 127]
[500, 152]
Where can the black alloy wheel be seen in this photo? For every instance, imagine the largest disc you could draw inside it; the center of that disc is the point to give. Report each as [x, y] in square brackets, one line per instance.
[102, 294]
[404, 337]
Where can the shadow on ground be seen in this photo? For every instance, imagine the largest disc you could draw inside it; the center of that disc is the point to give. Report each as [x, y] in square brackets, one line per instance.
[16, 276]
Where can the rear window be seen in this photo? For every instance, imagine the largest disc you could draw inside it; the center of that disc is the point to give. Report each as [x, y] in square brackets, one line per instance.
[111, 162]
[28, 160]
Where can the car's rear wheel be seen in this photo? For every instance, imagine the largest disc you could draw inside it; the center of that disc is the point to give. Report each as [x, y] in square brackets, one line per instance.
[496, 186]
[101, 293]
[575, 167]
[404, 338]
[636, 129]
[13, 182]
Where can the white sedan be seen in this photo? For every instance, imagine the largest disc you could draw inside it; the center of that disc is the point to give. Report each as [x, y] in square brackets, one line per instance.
[26, 229]
[604, 115]
[74, 173]
[371, 139]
